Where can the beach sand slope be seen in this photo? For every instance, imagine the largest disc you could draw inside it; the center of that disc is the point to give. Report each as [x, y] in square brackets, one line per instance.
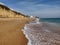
[10, 31]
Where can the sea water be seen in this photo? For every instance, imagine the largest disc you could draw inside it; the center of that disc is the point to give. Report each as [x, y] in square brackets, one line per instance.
[43, 32]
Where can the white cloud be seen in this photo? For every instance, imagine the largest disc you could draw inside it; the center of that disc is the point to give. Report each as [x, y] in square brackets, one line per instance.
[42, 10]
[2, 3]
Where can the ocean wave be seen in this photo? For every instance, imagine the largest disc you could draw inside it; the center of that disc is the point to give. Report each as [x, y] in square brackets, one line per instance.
[42, 33]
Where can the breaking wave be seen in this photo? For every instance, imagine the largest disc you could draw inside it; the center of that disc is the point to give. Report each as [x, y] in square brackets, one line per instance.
[42, 33]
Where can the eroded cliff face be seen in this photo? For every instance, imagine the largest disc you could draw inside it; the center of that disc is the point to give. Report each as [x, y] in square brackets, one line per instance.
[7, 12]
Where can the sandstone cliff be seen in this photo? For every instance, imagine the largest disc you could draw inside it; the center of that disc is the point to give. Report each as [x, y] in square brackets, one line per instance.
[7, 12]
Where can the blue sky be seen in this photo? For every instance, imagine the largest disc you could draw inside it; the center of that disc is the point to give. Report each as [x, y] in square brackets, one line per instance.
[40, 8]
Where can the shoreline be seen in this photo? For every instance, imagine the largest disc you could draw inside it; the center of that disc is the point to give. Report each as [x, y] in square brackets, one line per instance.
[38, 34]
[11, 31]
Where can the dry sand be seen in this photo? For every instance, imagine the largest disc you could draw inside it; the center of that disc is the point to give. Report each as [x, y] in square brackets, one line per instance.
[10, 31]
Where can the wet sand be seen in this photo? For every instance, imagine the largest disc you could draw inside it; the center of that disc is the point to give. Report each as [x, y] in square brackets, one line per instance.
[10, 31]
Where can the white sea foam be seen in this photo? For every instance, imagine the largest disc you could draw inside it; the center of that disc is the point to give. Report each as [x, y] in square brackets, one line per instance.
[42, 33]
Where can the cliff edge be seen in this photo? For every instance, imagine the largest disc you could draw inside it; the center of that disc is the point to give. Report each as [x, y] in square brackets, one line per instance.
[7, 12]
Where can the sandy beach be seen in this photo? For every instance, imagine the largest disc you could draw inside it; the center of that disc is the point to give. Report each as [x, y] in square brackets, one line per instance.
[11, 31]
